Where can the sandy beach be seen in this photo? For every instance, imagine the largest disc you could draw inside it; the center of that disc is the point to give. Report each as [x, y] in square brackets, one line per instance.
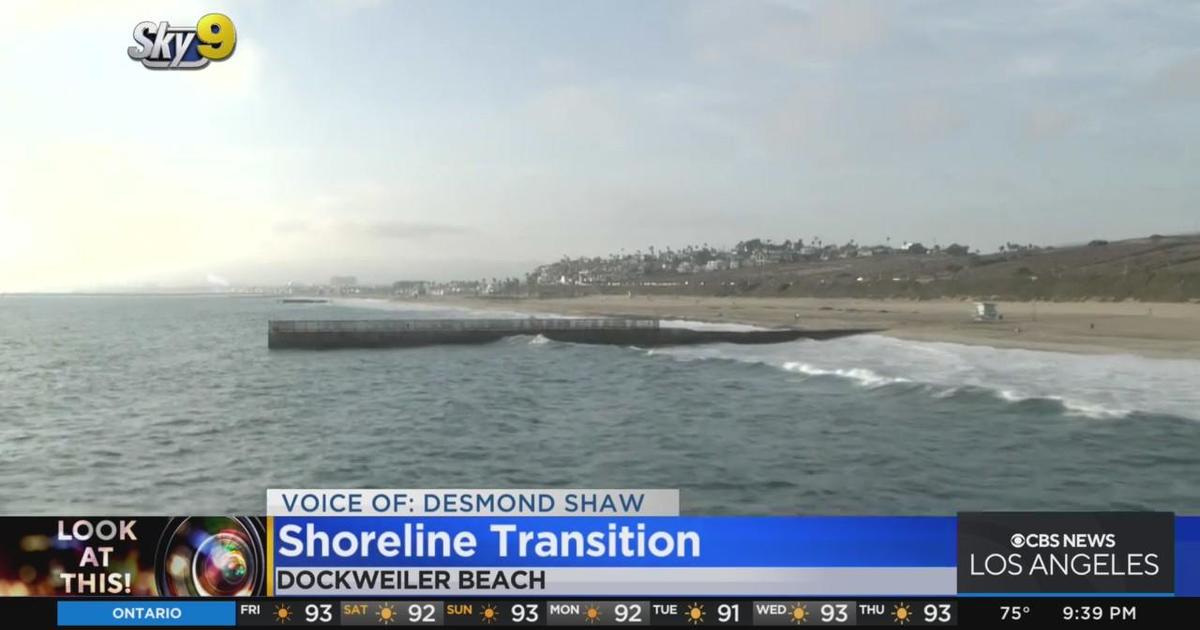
[1165, 330]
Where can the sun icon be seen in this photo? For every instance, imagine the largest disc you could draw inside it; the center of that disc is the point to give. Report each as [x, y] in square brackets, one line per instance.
[800, 613]
[386, 614]
[592, 614]
[901, 614]
[695, 614]
[490, 614]
[283, 613]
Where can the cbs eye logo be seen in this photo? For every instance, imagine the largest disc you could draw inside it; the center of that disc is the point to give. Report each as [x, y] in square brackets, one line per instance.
[165, 47]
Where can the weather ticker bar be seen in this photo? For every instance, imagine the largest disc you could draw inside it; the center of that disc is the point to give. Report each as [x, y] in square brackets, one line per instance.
[598, 612]
[967, 612]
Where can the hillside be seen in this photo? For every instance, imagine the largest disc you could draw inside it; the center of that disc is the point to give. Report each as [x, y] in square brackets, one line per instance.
[1156, 268]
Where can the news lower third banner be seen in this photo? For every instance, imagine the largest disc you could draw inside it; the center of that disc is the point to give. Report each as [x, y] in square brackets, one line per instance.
[591, 543]
[613, 556]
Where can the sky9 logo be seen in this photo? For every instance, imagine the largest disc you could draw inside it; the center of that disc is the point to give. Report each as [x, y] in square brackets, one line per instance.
[165, 47]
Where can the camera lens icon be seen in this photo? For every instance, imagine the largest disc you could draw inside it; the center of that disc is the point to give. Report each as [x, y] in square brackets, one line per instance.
[211, 557]
[222, 566]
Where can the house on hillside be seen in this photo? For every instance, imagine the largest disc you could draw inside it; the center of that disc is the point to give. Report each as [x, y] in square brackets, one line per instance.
[766, 257]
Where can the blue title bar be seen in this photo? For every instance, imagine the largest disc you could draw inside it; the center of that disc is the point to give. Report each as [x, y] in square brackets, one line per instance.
[716, 541]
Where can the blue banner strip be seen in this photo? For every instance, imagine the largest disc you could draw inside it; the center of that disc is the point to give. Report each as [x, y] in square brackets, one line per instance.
[801, 541]
[118, 613]
[1187, 556]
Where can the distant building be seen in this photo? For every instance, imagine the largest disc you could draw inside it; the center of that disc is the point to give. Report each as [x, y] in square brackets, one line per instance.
[411, 288]
[343, 281]
[765, 257]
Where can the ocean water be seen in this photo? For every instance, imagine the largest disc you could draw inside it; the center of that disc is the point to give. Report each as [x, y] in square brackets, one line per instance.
[175, 405]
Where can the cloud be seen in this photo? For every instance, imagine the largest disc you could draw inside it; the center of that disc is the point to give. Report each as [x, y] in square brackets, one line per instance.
[1179, 80]
[927, 119]
[403, 229]
[121, 214]
[343, 8]
[785, 33]
[584, 112]
[1045, 123]
[849, 26]
[237, 78]
[1034, 66]
[369, 230]
[290, 226]
[802, 120]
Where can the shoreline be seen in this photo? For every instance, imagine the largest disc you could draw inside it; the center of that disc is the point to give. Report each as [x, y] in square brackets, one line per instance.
[1157, 330]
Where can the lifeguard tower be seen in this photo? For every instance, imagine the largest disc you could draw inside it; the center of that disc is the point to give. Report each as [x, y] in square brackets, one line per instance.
[987, 312]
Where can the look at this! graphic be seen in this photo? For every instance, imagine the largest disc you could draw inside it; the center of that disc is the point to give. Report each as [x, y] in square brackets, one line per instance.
[216, 556]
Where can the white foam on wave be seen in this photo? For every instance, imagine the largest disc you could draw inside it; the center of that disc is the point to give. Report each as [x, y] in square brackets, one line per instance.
[1092, 410]
[862, 375]
[1097, 386]
[695, 325]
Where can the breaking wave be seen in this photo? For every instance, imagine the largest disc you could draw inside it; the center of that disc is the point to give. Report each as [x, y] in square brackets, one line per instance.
[1096, 386]
[864, 376]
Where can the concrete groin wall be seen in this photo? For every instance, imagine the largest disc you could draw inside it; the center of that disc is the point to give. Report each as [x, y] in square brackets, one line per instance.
[328, 334]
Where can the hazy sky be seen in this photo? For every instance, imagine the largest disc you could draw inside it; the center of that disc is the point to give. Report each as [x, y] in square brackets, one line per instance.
[445, 139]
